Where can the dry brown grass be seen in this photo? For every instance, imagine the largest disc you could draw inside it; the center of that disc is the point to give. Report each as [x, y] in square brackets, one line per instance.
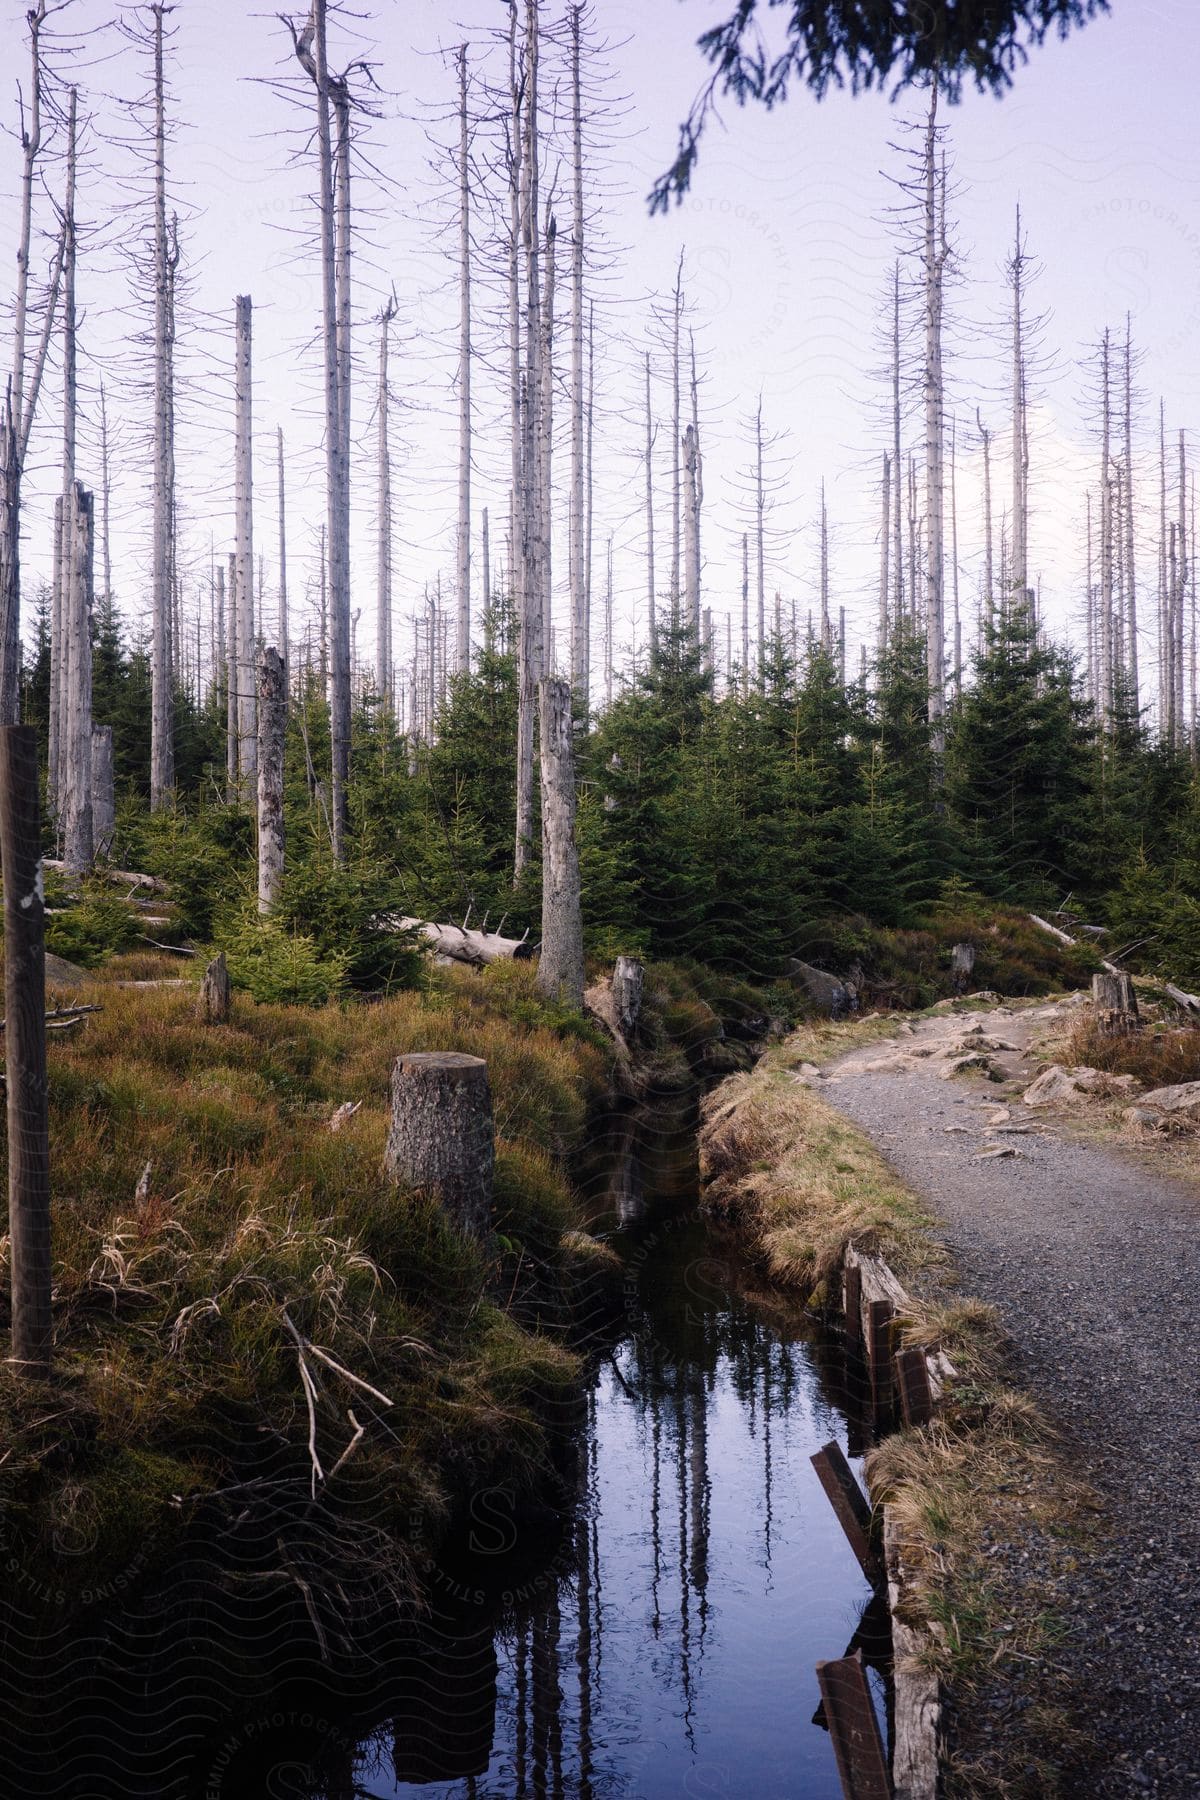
[1158, 1055]
[802, 1182]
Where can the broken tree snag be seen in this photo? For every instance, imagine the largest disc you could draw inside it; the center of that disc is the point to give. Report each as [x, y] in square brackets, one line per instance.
[854, 1729]
[442, 1138]
[104, 790]
[850, 1505]
[212, 1008]
[560, 966]
[628, 986]
[1115, 1003]
[962, 962]
[25, 1050]
[272, 714]
[476, 948]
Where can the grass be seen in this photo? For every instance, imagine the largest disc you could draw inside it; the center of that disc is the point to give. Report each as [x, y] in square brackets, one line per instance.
[1158, 1055]
[799, 1180]
[989, 1509]
[201, 1203]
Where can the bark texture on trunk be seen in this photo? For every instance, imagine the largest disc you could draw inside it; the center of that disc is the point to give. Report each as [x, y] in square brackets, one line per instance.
[212, 1004]
[76, 735]
[272, 716]
[560, 966]
[104, 793]
[442, 1136]
[247, 729]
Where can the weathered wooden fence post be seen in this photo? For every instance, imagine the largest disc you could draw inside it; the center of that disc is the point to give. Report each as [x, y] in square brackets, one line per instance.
[104, 790]
[272, 717]
[1116, 1004]
[442, 1137]
[25, 1049]
[560, 966]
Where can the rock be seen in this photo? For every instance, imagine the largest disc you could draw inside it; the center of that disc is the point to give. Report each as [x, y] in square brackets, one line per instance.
[958, 1064]
[998, 1153]
[1056, 1085]
[63, 974]
[826, 992]
[811, 1072]
[998, 1115]
[1183, 1098]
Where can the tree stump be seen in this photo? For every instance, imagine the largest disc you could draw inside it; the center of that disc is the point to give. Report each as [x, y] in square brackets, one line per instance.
[962, 963]
[212, 1008]
[1115, 1003]
[628, 984]
[442, 1139]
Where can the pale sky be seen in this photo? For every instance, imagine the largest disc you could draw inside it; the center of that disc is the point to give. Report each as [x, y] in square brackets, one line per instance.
[787, 251]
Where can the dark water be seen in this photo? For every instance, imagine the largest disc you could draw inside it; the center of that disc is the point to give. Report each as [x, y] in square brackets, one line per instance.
[665, 1643]
[651, 1631]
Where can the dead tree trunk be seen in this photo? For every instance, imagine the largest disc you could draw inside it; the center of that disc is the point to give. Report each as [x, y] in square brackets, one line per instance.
[691, 538]
[934, 270]
[532, 647]
[628, 986]
[1131, 619]
[231, 681]
[283, 590]
[162, 702]
[272, 717]
[651, 600]
[580, 620]
[383, 622]
[25, 1051]
[212, 1005]
[76, 732]
[247, 729]
[104, 797]
[1115, 1004]
[463, 558]
[560, 967]
[442, 1137]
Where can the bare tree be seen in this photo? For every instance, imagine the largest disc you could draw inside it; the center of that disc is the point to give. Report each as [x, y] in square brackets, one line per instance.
[463, 557]
[247, 725]
[166, 263]
[383, 597]
[24, 383]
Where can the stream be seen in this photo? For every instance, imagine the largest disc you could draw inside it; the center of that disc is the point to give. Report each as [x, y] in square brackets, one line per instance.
[659, 1637]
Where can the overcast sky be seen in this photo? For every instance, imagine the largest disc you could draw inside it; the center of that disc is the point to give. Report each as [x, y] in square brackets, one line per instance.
[787, 247]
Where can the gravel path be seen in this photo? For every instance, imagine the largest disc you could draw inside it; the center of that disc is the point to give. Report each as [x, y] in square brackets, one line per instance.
[1094, 1264]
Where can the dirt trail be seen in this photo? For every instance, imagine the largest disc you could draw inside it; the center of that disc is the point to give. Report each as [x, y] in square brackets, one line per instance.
[1094, 1263]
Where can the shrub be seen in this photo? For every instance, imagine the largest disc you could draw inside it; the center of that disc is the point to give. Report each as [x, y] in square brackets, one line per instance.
[273, 963]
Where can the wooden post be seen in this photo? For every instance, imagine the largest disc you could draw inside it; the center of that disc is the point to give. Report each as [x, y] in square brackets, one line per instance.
[104, 794]
[879, 1353]
[962, 962]
[272, 715]
[212, 1008]
[25, 1049]
[442, 1137]
[1115, 1002]
[850, 1504]
[916, 1395]
[850, 1715]
[852, 1276]
[560, 966]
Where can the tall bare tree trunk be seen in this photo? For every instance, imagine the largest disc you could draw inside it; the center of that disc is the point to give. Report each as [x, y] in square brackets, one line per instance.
[560, 965]
[463, 547]
[1020, 437]
[884, 548]
[897, 458]
[651, 599]
[691, 566]
[333, 179]
[162, 700]
[383, 598]
[760, 502]
[21, 396]
[247, 727]
[608, 628]
[272, 716]
[934, 269]
[486, 583]
[231, 681]
[989, 591]
[745, 613]
[826, 630]
[525, 121]
[957, 615]
[1177, 656]
[283, 589]
[1131, 618]
[580, 622]
[676, 441]
[545, 446]
[76, 732]
[1106, 542]
[697, 498]
[65, 510]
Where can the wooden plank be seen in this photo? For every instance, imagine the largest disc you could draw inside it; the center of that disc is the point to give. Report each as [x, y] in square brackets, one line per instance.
[852, 1296]
[850, 1716]
[880, 1318]
[916, 1394]
[917, 1702]
[850, 1505]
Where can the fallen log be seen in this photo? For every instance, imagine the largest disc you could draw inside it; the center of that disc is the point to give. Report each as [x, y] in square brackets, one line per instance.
[1189, 1002]
[1062, 937]
[125, 877]
[478, 948]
